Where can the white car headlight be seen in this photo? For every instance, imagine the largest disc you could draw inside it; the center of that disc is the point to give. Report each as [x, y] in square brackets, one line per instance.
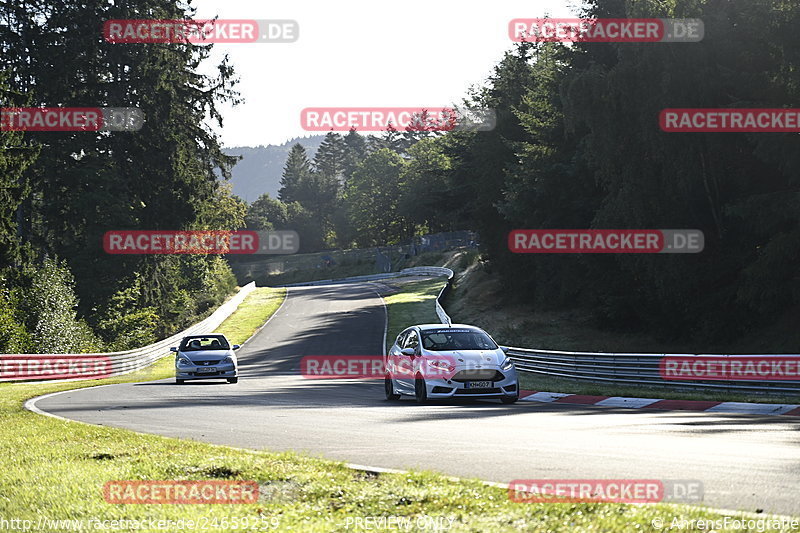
[507, 364]
[440, 365]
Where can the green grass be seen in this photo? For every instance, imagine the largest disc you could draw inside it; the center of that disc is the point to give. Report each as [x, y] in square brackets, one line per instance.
[56, 469]
[256, 308]
[299, 268]
[334, 272]
[252, 313]
[415, 304]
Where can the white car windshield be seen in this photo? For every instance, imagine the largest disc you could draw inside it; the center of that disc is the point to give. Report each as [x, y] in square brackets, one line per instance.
[442, 340]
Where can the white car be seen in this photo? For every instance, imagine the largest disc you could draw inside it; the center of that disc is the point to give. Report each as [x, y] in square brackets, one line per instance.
[457, 361]
[205, 357]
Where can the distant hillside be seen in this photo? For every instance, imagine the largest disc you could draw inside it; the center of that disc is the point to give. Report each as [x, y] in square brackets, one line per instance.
[260, 168]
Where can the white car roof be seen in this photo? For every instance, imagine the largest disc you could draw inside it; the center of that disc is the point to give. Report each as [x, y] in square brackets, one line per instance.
[424, 327]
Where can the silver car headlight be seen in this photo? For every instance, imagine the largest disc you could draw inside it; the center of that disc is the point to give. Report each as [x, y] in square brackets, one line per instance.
[507, 364]
[182, 361]
[227, 361]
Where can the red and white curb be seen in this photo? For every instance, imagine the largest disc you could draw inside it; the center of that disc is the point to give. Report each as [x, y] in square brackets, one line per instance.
[667, 405]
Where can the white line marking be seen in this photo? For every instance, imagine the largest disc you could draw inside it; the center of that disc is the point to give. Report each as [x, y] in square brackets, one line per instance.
[621, 401]
[30, 405]
[386, 319]
[285, 297]
[752, 408]
[544, 397]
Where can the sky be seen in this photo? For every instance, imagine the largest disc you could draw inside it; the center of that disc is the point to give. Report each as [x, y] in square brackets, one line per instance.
[362, 53]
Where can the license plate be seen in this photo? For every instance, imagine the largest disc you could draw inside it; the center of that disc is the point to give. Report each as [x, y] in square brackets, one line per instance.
[478, 384]
[206, 370]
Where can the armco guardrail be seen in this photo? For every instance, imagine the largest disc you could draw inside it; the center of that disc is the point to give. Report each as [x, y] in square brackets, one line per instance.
[444, 318]
[132, 360]
[620, 368]
[633, 369]
[413, 271]
[600, 367]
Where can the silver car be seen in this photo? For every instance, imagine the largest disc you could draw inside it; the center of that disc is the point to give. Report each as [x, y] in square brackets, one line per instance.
[205, 357]
[457, 361]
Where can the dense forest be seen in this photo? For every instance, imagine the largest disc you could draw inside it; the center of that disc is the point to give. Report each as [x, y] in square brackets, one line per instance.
[259, 167]
[577, 145]
[61, 191]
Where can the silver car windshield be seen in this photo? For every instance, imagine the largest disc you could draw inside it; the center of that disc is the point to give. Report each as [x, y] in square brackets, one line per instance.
[446, 340]
[194, 344]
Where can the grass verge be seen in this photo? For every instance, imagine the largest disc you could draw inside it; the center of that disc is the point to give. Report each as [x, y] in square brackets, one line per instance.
[52, 473]
[254, 311]
[414, 304]
[256, 308]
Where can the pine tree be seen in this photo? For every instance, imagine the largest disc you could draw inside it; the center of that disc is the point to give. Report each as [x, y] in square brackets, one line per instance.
[372, 199]
[86, 183]
[296, 171]
[16, 154]
[355, 150]
[391, 139]
[422, 126]
[329, 161]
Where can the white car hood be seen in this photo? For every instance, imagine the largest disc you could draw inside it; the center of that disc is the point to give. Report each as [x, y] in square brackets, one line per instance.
[474, 358]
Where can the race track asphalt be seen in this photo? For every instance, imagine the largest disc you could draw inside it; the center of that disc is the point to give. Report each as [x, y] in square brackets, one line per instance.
[745, 462]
